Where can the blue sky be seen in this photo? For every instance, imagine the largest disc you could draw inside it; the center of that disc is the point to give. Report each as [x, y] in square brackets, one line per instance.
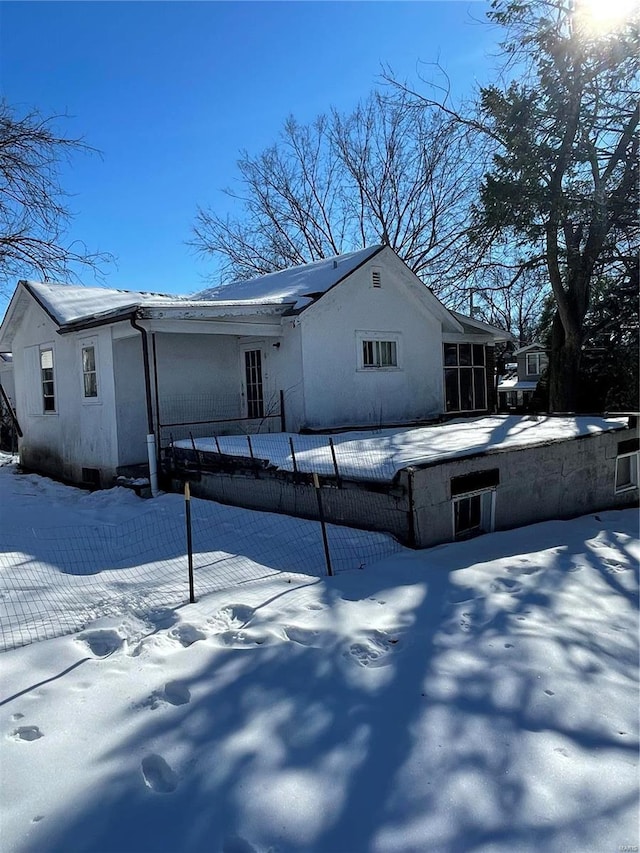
[170, 92]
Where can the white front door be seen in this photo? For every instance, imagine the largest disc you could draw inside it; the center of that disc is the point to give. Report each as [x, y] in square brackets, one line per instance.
[251, 366]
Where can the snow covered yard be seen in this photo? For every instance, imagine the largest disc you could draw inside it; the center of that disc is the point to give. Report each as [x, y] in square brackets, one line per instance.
[479, 696]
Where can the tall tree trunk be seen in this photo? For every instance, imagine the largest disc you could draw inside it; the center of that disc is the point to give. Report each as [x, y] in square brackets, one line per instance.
[564, 367]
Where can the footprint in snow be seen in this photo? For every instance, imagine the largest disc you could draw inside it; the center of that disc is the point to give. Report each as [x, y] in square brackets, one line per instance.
[174, 693]
[525, 568]
[27, 733]
[466, 621]
[177, 693]
[233, 616]
[101, 642]
[16, 717]
[158, 775]
[302, 636]
[187, 635]
[248, 639]
[373, 650]
[505, 585]
[614, 567]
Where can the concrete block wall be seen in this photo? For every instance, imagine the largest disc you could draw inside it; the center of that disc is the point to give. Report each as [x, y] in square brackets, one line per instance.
[560, 479]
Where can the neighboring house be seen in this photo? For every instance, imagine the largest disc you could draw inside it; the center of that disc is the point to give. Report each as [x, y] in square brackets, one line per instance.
[356, 340]
[518, 384]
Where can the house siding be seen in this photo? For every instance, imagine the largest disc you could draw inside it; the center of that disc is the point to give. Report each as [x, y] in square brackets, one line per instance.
[337, 392]
[80, 433]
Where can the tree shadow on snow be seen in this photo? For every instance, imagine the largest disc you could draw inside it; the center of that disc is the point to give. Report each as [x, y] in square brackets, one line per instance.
[433, 728]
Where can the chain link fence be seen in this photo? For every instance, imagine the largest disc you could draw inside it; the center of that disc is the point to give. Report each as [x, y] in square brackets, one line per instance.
[56, 580]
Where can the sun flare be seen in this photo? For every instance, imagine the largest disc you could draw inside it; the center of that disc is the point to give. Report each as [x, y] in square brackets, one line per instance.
[598, 17]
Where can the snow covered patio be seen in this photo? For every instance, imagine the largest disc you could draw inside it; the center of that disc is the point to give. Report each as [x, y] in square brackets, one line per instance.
[480, 697]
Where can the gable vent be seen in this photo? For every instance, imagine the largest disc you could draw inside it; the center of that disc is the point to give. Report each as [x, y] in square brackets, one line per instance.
[376, 278]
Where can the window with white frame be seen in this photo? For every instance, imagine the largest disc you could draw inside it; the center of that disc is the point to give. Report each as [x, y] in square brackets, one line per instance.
[473, 514]
[378, 351]
[534, 363]
[89, 371]
[627, 466]
[473, 497]
[47, 380]
[465, 377]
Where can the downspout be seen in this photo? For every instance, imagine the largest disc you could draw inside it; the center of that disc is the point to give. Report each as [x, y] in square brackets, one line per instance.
[151, 438]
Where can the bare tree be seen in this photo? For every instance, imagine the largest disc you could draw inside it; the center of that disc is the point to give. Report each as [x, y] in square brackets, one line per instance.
[384, 173]
[34, 216]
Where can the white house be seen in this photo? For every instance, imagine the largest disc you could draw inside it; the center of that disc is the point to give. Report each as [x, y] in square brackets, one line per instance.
[355, 340]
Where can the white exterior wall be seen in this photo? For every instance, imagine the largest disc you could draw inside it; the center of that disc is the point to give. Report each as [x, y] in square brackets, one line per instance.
[337, 391]
[191, 366]
[82, 431]
[130, 400]
[202, 377]
[285, 373]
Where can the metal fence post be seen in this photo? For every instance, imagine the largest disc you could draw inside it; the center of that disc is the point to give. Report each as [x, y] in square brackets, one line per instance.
[325, 541]
[187, 507]
[335, 461]
[293, 456]
[411, 513]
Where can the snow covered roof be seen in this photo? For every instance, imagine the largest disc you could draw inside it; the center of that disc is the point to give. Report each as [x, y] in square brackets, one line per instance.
[470, 324]
[69, 303]
[529, 348]
[75, 307]
[513, 384]
[297, 285]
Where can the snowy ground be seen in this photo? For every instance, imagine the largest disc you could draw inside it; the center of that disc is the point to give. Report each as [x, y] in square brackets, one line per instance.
[480, 696]
[380, 454]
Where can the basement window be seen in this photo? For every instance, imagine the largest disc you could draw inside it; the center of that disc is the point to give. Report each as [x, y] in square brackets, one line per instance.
[627, 472]
[473, 514]
[91, 477]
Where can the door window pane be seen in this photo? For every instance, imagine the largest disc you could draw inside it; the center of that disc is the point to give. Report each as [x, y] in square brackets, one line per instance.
[253, 378]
